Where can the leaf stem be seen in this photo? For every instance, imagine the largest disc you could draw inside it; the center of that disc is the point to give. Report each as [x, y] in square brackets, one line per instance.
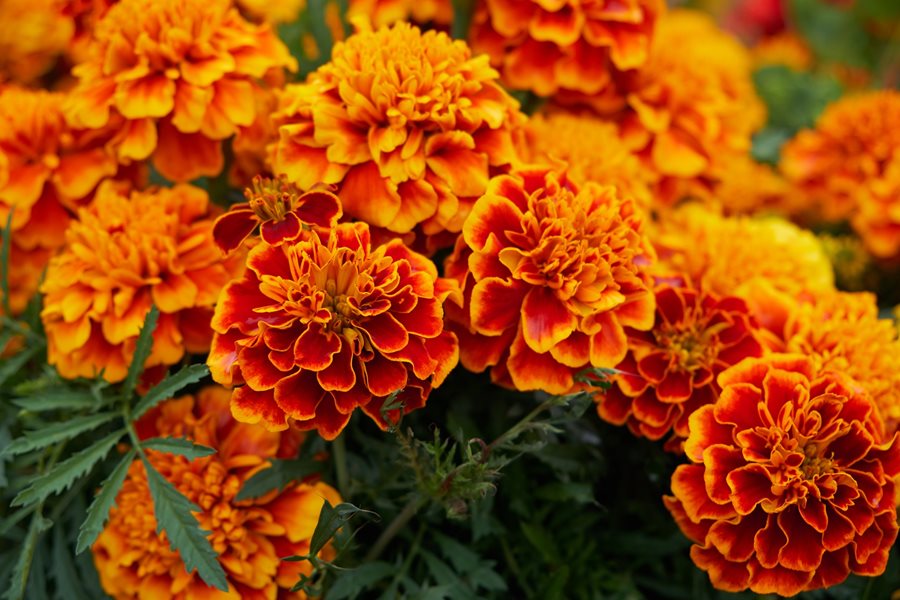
[409, 511]
[516, 429]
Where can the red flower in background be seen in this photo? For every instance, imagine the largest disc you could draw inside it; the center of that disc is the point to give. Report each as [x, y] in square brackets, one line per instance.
[792, 485]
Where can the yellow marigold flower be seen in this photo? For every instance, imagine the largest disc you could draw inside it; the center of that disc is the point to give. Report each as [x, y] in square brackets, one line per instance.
[123, 254]
[408, 126]
[591, 149]
[552, 275]
[747, 187]
[182, 74]
[564, 45]
[388, 12]
[250, 536]
[33, 34]
[785, 48]
[725, 254]
[279, 11]
[325, 323]
[692, 106]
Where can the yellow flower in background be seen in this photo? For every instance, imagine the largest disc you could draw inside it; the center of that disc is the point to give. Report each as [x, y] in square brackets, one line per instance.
[181, 74]
[408, 126]
[387, 12]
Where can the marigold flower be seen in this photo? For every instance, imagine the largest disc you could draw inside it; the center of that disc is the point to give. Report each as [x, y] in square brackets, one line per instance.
[589, 148]
[406, 124]
[726, 254]
[123, 254]
[551, 277]
[280, 210]
[33, 34]
[387, 12]
[877, 220]
[792, 484]
[181, 74]
[325, 324]
[568, 45]
[250, 536]
[785, 48]
[846, 161]
[670, 371]
[692, 106]
[282, 11]
[747, 187]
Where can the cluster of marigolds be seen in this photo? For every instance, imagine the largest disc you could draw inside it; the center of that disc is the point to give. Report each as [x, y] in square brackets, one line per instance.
[617, 228]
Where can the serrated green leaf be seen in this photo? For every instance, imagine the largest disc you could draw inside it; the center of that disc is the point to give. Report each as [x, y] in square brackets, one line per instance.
[98, 511]
[462, 558]
[168, 387]
[68, 585]
[352, 582]
[181, 446]
[173, 515]
[332, 518]
[20, 573]
[141, 352]
[5, 243]
[14, 364]
[57, 432]
[277, 477]
[56, 399]
[64, 474]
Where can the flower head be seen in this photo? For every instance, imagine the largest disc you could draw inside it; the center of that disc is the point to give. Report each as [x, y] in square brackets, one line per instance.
[408, 126]
[589, 148]
[281, 211]
[692, 106]
[33, 34]
[123, 254]
[792, 484]
[325, 324]
[388, 12]
[564, 45]
[846, 161]
[747, 187]
[180, 75]
[671, 370]
[726, 254]
[551, 277]
[250, 536]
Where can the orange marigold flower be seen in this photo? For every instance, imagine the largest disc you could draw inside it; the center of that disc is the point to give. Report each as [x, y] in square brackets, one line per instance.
[845, 161]
[326, 324]
[564, 45]
[589, 148]
[747, 187]
[726, 254]
[123, 254]
[250, 536]
[670, 371]
[551, 278]
[282, 11]
[784, 48]
[406, 124]
[280, 210]
[33, 34]
[181, 75]
[877, 220]
[792, 484]
[692, 106]
[387, 12]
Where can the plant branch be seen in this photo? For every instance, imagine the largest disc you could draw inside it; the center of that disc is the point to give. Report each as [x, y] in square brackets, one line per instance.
[409, 511]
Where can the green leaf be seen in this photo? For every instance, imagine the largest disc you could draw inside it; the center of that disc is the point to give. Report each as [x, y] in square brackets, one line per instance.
[542, 542]
[168, 387]
[5, 440]
[352, 582]
[794, 99]
[14, 364]
[56, 399]
[64, 474]
[99, 509]
[141, 353]
[4, 260]
[277, 477]
[835, 34]
[19, 578]
[332, 518]
[767, 143]
[57, 432]
[173, 515]
[577, 492]
[68, 585]
[176, 445]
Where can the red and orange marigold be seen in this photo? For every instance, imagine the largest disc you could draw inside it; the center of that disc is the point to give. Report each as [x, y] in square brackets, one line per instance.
[180, 75]
[849, 167]
[564, 45]
[326, 324]
[552, 276]
[124, 253]
[408, 126]
[670, 371]
[250, 536]
[791, 485]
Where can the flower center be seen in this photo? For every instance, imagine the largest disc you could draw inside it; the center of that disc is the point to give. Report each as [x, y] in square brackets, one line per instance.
[271, 199]
[814, 465]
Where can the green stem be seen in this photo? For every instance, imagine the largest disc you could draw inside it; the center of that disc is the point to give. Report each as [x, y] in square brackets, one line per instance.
[516, 429]
[339, 446]
[413, 550]
[399, 522]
